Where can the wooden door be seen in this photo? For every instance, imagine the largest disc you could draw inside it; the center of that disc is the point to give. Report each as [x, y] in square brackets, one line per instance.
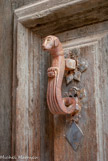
[36, 132]
[91, 46]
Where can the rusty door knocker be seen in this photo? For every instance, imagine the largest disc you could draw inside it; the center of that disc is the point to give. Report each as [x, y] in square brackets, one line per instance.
[57, 104]
[71, 104]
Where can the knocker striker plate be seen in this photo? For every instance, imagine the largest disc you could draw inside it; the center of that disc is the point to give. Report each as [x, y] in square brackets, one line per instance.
[74, 136]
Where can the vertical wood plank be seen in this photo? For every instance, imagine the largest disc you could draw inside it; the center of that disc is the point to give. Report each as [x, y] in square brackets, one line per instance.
[88, 48]
[6, 55]
[34, 111]
[15, 4]
[88, 149]
[47, 122]
[22, 92]
[102, 98]
[34, 123]
[59, 138]
[5, 76]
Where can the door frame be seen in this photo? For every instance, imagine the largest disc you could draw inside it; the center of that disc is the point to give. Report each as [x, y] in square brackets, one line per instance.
[31, 24]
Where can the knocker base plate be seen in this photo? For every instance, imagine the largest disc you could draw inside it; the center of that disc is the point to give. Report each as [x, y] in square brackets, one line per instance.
[74, 136]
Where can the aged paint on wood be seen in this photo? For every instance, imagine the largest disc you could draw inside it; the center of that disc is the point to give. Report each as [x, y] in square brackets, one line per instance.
[86, 40]
[5, 76]
[7, 8]
[87, 43]
[86, 123]
[43, 135]
[51, 17]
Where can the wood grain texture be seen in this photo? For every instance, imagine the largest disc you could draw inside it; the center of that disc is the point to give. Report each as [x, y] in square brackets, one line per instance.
[88, 149]
[47, 121]
[27, 127]
[22, 93]
[5, 76]
[53, 16]
[102, 101]
[42, 135]
[33, 96]
[33, 130]
[91, 42]
[6, 55]
[48, 133]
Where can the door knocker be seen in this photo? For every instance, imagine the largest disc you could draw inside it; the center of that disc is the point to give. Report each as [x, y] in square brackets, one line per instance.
[72, 67]
[57, 104]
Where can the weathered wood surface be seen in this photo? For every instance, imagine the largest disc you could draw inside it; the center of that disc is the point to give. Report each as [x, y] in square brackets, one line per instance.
[92, 42]
[47, 121]
[88, 149]
[102, 61]
[33, 124]
[6, 51]
[47, 16]
[41, 135]
[5, 76]
[35, 131]
[50, 141]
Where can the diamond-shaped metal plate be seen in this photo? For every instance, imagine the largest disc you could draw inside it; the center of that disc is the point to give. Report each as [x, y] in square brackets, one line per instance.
[74, 136]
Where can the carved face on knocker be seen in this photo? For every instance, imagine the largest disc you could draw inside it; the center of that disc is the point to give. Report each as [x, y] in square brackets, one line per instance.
[50, 42]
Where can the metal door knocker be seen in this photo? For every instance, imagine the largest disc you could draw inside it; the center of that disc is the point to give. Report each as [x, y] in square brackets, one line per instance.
[72, 68]
[57, 104]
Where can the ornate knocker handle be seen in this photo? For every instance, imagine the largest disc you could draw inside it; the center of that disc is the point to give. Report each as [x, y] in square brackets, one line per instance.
[57, 104]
